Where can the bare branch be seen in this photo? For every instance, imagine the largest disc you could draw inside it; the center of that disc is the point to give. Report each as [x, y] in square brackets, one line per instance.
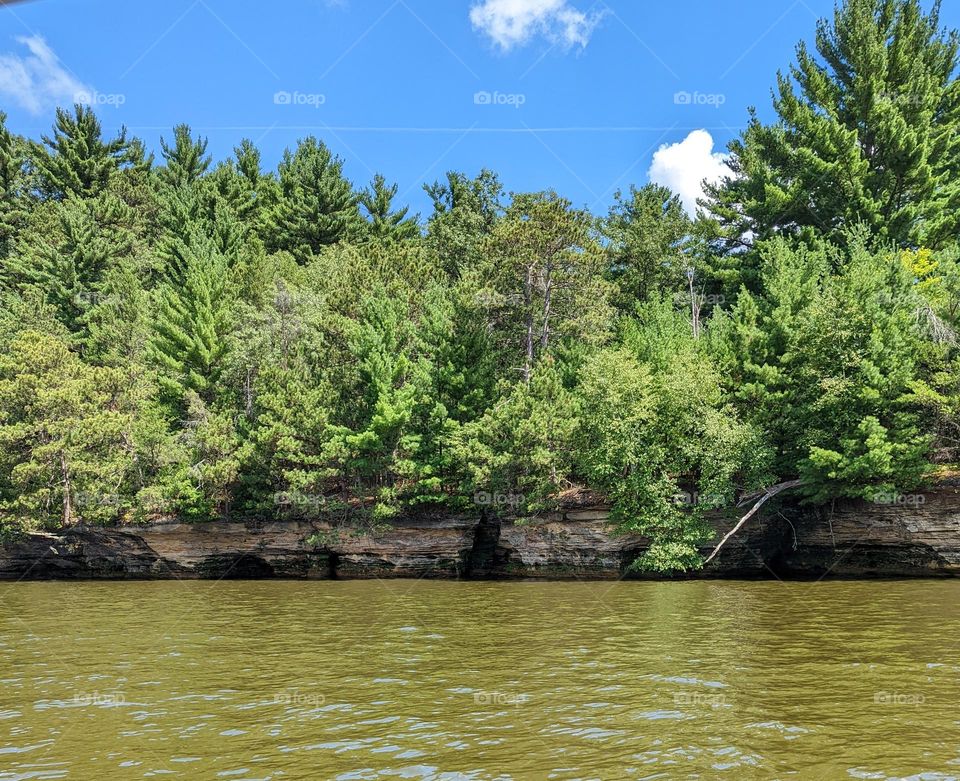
[768, 493]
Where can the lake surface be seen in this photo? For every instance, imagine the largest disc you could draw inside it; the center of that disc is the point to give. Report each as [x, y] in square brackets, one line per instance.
[457, 681]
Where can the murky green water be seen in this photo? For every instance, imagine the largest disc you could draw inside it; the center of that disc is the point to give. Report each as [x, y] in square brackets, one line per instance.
[417, 680]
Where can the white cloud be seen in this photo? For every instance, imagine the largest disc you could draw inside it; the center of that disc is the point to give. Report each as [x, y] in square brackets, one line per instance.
[684, 166]
[37, 81]
[512, 23]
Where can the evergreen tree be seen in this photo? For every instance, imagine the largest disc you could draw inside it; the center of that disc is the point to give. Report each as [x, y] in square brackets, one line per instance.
[76, 160]
[522, 448]
[67, 262]
[192, 322]
[62, 449]
[12, 185]
[316, 205]
[866, 133]
[546, 278]
[464, 213]
[648, 233]
[383, 222]
[186, 159]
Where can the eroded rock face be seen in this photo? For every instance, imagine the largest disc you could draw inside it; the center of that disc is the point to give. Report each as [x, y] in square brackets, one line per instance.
[226, 550]
[908, 537]
[580, 543]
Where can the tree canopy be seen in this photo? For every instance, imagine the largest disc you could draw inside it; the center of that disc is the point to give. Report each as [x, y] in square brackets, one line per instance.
[208, 339]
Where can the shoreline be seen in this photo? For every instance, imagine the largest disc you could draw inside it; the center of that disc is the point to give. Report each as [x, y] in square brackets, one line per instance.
[850, 540]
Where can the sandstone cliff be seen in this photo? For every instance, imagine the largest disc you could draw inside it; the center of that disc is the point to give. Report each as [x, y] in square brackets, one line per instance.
[920, 538]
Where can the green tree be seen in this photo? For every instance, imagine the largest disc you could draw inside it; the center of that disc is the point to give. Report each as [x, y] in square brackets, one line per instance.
[648, 232]
[64, 457]
[316, 205]
[865, 133]
[76, 160]
[68, 260]
[830, 365]
[186, 158]
[464, 213]
[191, 325]
[546, 279]
[523, 446]
[12, 188]
[657, 438]
[384, 222]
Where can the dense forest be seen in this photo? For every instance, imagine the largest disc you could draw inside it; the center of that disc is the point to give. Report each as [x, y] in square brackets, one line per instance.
[186, 338]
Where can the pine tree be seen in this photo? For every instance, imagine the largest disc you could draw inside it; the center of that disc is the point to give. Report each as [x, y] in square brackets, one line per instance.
[383, 222]
[62, 453]
[191, 326]
[12, 185]
[648, 231]
[868, 133]
[377, 446]
[546, 277]
[464, 213]
[316, 205]
[76, 160]
[118, 325]
[186, 159]
[68, 261]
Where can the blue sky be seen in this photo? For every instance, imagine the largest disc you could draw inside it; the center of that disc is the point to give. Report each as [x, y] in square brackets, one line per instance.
[580, 96]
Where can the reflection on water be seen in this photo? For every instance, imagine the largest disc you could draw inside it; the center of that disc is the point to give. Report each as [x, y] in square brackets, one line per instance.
[457, 681]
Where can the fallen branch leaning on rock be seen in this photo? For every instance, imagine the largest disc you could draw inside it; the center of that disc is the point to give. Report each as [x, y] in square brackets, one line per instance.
[767, 493]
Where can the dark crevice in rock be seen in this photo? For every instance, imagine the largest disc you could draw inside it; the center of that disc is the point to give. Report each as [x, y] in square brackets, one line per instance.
[484, 561]
[244, 566]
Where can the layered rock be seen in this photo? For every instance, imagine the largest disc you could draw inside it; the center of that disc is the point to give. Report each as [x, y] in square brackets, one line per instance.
[910, 536]
[900, 536]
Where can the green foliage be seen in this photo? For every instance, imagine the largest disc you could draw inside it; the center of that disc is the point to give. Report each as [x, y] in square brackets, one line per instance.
[315, 205]
[191, 322]
[76, 160]
[186, 159]
[64, 457]
[655, 429]
[648, 231]
[522, 448]
[13, 182]
[213, 340]
[866, 133]
[828, 364]
[385, 223]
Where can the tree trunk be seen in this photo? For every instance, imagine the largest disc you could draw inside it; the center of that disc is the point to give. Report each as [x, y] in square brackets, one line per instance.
[547, 301]
[67, 517]
[768, 493]
[528, 302]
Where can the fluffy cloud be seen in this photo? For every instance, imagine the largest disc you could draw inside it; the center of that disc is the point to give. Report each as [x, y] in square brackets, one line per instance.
[512, 23]
[37, 81]
[683, 167]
